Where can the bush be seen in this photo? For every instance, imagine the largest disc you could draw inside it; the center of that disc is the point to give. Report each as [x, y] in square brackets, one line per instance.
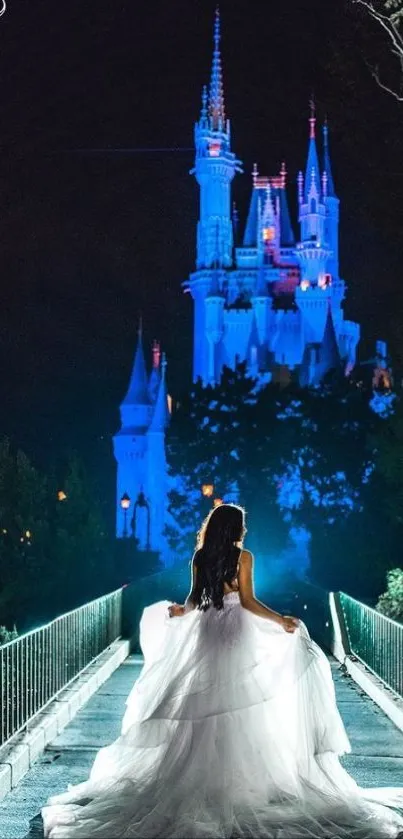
[391, 602]
[7, 635]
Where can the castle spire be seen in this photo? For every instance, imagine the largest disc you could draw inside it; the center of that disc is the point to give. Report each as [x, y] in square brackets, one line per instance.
[137, 393]
[216, 108]
[155, 376]
[204, 107]
[160, 415]
[330, 192]
[312, 165]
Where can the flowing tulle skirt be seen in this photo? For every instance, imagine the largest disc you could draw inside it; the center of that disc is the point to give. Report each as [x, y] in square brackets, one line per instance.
[231, 730]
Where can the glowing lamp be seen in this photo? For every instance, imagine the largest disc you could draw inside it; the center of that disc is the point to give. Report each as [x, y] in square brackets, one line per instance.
[207, 490]
[305, 285]
[28, 534]
[268, 234]
[125, 501]
[217, 502]
[61, 496]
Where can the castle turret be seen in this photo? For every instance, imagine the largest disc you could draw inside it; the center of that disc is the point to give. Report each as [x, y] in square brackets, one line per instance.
[215, 167]
[136, 406]
[155, 376]
[313, 293]
[130, 444]
[332, 210]
[156, 482]
[312, 211]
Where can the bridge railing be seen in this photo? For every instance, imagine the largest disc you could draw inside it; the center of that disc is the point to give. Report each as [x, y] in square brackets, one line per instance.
[376, 640]
[39, 664]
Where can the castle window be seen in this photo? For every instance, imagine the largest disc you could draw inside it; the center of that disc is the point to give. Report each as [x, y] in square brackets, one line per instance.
[313, 205]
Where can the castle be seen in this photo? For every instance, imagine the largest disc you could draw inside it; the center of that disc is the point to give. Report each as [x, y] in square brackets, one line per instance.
[268, 297]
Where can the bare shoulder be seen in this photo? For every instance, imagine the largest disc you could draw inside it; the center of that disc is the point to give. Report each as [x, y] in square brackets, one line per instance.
[246, 556]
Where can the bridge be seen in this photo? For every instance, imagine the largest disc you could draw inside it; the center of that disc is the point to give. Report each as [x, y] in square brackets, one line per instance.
[63, 689]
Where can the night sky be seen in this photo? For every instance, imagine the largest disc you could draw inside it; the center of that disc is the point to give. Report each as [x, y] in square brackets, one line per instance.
[90, 238]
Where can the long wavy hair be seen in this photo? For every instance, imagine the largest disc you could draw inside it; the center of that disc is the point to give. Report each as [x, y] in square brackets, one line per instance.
[216, 555]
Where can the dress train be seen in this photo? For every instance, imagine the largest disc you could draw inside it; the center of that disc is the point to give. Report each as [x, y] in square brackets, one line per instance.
[231, 730]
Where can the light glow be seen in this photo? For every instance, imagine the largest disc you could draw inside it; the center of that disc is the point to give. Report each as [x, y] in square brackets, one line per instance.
[207, 490]
[125, 501]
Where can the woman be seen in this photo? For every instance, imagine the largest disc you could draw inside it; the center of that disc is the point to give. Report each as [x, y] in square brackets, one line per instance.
[231, 729]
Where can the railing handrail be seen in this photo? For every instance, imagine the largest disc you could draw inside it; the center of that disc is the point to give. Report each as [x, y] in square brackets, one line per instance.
[36, 666]
[371, 609]
[59, 618]
[376, 640]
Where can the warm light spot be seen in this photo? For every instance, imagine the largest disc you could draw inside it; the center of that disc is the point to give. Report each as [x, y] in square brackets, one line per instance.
[61, 496]
[217, 502]
[305, 285]
[268, 234]
[28, 534]
[214, 149]
[207, 490]
[125, 501]
[169, 402]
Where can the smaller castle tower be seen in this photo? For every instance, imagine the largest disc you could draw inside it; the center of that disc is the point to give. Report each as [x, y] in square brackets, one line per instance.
[139, 448]
[332, 210]
[313, 293]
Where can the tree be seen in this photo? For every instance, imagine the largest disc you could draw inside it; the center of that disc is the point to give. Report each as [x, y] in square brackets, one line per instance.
[388, 15]
[391, 602]
[82, 554]
[54, 554]
[24, 533]
[222, 436]
[298, 457]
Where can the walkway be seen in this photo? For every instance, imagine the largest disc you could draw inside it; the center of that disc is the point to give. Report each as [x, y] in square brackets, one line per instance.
[377, 758]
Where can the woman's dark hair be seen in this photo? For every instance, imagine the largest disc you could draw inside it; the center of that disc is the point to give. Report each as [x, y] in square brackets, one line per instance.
[216, 555]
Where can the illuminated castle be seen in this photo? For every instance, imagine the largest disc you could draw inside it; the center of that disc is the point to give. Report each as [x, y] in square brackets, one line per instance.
[268, 297]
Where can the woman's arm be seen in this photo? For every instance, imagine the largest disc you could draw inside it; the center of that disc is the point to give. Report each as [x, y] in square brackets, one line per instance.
[189, 604]
[250, 602]
[177, 611]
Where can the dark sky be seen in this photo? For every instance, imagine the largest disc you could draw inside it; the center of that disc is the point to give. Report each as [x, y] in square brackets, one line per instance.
[89, 239]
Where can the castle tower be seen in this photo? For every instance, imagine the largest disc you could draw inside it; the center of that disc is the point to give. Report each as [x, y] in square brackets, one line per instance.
[215, 167]
[156, 480]
[332, 210]
[139, 449]
[313, 252]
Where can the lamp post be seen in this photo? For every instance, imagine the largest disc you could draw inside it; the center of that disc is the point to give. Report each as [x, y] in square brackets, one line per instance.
[125, 502]
[141, 501]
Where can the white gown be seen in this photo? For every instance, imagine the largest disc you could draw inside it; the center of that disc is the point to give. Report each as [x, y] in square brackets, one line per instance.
[231, 730]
